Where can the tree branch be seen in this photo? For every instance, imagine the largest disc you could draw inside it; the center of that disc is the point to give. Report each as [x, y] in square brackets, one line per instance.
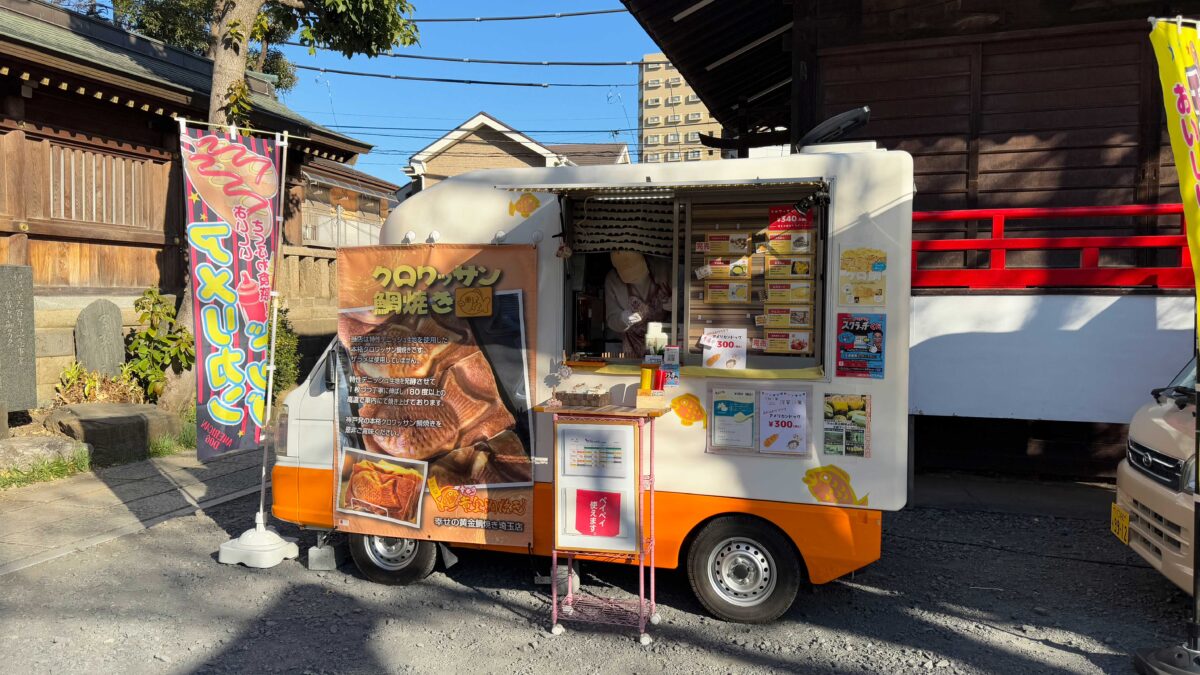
[262, 56]
[294, 4]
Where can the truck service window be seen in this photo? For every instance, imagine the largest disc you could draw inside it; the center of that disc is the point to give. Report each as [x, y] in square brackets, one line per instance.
[751, 261]
[620, 275]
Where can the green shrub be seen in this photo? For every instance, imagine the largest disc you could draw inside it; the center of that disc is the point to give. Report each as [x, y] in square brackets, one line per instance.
[184, 441]
[287, 354]
[187, 433]
[160, 343]
[46, 469]
[77, 384]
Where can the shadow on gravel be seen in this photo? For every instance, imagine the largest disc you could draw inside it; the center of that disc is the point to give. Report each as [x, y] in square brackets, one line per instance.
[947, 612]
[309, 628]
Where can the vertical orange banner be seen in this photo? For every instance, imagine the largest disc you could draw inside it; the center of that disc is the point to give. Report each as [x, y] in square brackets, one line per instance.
[435, 428]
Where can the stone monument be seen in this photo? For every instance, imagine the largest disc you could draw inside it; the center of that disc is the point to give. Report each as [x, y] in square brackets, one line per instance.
[99, 344]
[18, 377]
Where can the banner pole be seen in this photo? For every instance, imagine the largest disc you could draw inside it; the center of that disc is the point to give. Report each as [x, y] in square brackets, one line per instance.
[277, 253]
[261, 546]
[262, 490]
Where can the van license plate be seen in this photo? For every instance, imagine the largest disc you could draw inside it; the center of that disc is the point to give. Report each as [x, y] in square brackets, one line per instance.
[1119, 523]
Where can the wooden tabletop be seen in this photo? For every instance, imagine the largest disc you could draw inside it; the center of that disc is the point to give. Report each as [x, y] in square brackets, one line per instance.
[604, 411]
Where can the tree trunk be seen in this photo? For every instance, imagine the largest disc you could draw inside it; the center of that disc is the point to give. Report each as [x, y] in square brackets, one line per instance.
[229, 67]
[261, 61]
[229, 54]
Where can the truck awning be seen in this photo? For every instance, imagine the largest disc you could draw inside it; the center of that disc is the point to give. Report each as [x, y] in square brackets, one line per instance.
[665, 190]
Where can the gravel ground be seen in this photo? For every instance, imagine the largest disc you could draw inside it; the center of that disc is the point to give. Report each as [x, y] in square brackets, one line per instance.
[955, 592]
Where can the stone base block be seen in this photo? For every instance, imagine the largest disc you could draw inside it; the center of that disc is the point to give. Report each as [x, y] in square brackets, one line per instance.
[117, 432]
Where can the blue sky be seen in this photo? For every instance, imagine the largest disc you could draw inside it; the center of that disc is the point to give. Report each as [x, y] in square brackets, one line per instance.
[339, 99]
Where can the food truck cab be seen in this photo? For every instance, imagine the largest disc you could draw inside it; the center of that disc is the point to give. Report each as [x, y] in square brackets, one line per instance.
[769, 298]
[1156, 482]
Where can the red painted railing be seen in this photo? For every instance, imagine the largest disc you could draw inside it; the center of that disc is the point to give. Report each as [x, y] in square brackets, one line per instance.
[1089, 273]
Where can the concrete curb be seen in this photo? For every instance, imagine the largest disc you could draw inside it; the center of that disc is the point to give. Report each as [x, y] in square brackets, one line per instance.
[103, 537]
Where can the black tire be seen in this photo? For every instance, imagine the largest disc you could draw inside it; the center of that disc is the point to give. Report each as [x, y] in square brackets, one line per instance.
[743, 570]
[396, 562]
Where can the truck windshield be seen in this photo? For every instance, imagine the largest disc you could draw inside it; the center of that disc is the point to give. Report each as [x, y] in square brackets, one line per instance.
[1187, 376]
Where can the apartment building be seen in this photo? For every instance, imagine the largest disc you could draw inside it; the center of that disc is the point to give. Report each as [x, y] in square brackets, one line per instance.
[671, 116]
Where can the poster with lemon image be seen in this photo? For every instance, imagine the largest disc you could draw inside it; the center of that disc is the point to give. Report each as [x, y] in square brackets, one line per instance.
[733, 418]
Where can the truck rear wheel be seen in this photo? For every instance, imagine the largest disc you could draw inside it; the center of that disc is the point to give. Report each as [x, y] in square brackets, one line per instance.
[743, 570]
[391, 560]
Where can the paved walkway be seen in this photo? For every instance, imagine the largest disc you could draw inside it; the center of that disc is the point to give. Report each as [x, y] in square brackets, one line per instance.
[47, 520]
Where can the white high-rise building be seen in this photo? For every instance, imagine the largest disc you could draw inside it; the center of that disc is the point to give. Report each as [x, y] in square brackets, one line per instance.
[671, 116]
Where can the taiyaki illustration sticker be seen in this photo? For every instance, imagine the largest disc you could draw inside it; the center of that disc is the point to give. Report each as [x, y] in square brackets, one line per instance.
[847, 425]
[689, 409]
[231, 185]
[524, 205]
[733, 418]
[831, 485]
[472, 302]
[783, 422]
[724, 348]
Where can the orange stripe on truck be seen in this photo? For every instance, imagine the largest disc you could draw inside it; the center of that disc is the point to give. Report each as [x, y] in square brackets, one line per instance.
[833, 541]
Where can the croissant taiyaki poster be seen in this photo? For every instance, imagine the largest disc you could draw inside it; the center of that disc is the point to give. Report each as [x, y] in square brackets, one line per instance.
[231, 184]
[434, 381]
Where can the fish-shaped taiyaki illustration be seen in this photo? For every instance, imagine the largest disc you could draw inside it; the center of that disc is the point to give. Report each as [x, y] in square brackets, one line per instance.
[688, 407]
[525, 205]
[831, 485]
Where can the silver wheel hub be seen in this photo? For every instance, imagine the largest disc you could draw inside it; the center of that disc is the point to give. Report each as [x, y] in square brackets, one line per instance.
[741, 571]
[391, 553]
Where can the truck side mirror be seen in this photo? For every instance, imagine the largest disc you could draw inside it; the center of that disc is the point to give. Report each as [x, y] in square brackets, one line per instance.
[330, 370]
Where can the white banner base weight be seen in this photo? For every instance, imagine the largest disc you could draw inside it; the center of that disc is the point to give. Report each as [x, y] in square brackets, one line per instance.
[260, 547]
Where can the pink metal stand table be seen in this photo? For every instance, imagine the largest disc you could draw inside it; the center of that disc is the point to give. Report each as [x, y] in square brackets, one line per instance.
[612, 611]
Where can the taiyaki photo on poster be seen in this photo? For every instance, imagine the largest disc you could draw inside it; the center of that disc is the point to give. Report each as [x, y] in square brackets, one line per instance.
[387, 488]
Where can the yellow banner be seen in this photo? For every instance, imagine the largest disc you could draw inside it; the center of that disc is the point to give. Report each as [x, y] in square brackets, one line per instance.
[1175, 46]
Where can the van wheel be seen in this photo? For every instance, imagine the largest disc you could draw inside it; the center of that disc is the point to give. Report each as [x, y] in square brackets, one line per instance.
[392, 561]
[743, 570]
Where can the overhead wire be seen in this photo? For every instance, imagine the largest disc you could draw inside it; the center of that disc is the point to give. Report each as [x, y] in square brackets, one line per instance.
[655, 129]
[500, 62]
[502, 152]
[529, 17]
[452, 80]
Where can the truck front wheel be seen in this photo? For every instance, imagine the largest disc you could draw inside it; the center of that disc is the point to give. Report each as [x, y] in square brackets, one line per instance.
[393, 561]
[743, 570]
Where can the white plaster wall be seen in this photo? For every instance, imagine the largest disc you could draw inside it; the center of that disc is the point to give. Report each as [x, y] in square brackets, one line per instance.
[1078, 358]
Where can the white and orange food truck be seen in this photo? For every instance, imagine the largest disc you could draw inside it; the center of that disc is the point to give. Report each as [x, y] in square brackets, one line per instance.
[773, 294]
